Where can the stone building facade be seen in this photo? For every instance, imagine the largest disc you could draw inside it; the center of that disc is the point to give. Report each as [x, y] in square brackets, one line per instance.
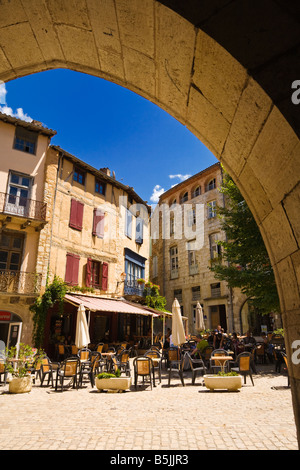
[23, 217]
[184, 244]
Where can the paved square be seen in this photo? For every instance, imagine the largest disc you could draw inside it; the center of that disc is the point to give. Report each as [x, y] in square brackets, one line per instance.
[258, 417]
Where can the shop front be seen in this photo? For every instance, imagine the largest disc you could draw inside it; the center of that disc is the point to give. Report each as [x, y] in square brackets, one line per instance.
[10, 329]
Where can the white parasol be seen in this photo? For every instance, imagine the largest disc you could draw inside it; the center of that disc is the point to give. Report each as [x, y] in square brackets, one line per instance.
[178, 334]
[82, 332]
[200, 325]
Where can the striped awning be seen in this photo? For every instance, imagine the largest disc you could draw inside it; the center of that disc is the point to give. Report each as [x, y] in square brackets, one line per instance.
[97, 304]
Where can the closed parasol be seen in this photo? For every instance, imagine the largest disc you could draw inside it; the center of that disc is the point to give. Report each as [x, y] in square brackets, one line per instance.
[178, 334]
[200, 325]
[82, 332]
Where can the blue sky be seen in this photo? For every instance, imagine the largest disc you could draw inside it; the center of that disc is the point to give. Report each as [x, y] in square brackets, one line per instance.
[109, 126]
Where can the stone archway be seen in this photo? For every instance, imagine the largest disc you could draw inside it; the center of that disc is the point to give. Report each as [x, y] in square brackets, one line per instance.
[224, 69]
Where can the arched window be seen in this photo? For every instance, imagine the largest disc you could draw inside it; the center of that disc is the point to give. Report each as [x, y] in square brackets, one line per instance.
[211, 185]
[184, 197]
[196, 192]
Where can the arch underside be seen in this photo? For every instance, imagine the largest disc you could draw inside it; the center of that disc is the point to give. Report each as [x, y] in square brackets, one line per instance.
[224, 71]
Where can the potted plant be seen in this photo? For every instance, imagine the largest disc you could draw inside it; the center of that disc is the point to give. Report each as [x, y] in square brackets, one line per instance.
[106, 381]
[230, 381]
[18, 364]
[141, 281]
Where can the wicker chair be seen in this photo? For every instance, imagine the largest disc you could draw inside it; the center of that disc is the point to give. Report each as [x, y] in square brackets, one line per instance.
[156, 360]
[143, 367]
[244, 365]
[69, 369]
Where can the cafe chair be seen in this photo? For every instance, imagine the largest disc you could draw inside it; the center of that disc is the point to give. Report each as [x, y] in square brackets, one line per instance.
[90, 368]
[123, 362]
[260, 353]
[69, 369]
[46, 370]
[197, 366]
[176, 367]
[143, 367]
[206, 355]
[243, 361]
[61, 352]
[74, 350]
[99, 347]
[214, 365]
[156, 360]
[84, 354]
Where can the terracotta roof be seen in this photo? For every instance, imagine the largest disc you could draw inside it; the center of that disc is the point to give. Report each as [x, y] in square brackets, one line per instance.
[31, 126]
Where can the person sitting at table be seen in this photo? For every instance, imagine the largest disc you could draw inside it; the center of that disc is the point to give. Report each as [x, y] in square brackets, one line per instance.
[249, 341]
[236, 345]
[218, 340]
[201, 345]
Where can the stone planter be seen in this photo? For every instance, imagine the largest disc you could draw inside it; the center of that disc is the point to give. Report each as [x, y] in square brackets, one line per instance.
[20, 385]
[113, 383]
[217, 382]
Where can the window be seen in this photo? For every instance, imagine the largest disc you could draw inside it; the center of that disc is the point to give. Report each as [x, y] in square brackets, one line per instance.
[134, 269]
[197, 191]
[215, 249]
[172, 225]
[184, 198]
[139, 227]
[211, 185]
[212, 209]
[178, 295]
[191, 217]
[79, 175]
[128, 223]
[100, 187]
[96, 274]
[174, 262]
[76, 214]
[18, 197]
[25, 140]
[11, 246]
[72, 269]
[215, 289]
[196, 293]
[98, 223]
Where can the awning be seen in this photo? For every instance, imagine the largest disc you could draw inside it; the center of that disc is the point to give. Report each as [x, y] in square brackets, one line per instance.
[97, 304]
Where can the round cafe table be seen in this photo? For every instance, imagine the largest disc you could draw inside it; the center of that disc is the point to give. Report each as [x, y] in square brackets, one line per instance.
[221, 360]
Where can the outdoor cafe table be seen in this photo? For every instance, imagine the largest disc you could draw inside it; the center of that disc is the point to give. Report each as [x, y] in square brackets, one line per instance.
[222, 361]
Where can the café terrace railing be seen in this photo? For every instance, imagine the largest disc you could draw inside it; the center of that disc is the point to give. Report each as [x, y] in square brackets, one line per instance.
[22, 207]
[133, 288]
[20, 282]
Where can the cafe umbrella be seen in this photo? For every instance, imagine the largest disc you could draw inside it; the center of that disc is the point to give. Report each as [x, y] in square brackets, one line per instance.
[178, 334]
[200, 325]
[82, 338]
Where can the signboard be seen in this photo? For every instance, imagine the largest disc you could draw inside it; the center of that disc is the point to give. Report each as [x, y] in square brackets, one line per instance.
[5, 316]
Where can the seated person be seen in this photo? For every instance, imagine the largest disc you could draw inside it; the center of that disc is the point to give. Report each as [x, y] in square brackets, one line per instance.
[201, 345]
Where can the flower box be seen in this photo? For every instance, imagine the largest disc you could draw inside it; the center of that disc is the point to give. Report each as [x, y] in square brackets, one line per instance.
[113, 383]
[217, 382]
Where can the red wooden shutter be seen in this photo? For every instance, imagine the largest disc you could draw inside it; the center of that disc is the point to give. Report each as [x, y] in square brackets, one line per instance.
[104, 283]
[88, 277]
[76, 214]
[72, 269]
[98, 223]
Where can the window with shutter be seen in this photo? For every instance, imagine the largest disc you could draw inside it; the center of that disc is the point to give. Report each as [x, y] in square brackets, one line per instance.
[98, 223]
[128, 223]
[139, 230]
[92, 273]
[76, 214]
[104, 280]
[72, 269]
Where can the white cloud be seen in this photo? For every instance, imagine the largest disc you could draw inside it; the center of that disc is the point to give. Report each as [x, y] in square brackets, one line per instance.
[157, 192]
[3, 92]
[19, 114]
[180, 177]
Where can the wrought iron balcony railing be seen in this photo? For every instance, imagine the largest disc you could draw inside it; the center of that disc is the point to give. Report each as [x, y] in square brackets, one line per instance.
[20, 282]
[22, 207]
[133, 288]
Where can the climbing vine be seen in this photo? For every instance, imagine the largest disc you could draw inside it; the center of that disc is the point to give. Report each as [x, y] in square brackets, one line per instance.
[55, 292]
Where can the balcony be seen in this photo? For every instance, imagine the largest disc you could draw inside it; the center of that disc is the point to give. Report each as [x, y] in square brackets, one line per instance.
[18, 208]
[20, 282]
[133, 288]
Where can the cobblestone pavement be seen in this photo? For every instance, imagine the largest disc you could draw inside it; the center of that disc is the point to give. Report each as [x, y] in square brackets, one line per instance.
[258, 417]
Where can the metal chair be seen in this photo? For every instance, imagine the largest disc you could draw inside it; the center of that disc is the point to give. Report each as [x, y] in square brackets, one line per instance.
[46, 369]
[176, 367]
[143, 367]
[90, 368]
[213, 359]
[156, 360]
[196, 365]
[244, 365]
[69, 369]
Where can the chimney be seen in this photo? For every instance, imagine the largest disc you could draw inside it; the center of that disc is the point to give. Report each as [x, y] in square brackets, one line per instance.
[106, 171]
